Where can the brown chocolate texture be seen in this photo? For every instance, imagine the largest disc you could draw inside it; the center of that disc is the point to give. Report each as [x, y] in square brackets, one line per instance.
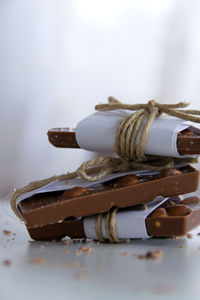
[170, 220]
[54, 207]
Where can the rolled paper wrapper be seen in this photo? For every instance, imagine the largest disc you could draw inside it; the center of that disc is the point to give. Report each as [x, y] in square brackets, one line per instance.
[97, 133]
[129, 223]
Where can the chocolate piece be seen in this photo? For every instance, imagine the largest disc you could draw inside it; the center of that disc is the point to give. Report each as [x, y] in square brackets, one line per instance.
[158, 224]
[53, 207]
[186, 131]
[178, 210]
[151, 255]
[128, 180]
[188, 141]
[76, 192]
[170, 172]
[159, 212]
[62, 138]
[189, 236]
[7, 262]
[190, 201]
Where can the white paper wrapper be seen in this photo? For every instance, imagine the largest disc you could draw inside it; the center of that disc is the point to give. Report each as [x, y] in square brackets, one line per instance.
[97, 133]
[129, 223]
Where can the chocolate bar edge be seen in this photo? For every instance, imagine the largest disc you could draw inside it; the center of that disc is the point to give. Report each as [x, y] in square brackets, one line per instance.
[156, 226]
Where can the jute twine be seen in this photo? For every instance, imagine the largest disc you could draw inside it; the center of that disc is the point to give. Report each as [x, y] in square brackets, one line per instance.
[110, 225]
[131, 156]
[125, 140]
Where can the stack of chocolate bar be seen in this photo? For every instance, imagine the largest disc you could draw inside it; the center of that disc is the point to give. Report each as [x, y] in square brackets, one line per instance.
[141, 204]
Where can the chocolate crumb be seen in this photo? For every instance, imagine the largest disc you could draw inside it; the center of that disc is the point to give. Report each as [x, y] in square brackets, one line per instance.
[41, 246]
[84, 249]
[72, 264]
[38, 261]
[7, 262]
[189, 236]
[81, 275]
[66, 243]
[151, 255]
[125, 253]
[6, 232]
[181, 246]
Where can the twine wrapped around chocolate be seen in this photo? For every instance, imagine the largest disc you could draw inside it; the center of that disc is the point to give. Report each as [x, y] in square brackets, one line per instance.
[131, 156]
[110, 225]
[125, 139]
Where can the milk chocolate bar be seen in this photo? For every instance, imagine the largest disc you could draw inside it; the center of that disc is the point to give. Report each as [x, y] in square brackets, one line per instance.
[52, 207]
[188, 141]
[171, 219]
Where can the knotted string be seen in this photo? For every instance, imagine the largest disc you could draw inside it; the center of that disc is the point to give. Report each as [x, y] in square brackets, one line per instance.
[127, 132]
[131, 156]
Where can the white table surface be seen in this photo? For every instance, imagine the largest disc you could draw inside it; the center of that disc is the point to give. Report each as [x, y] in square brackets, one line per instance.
[109, 274]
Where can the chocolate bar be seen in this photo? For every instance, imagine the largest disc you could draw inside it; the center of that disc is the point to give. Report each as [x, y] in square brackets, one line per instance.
[53, 207]
[62, 138]
[188, 141]
[171, 219]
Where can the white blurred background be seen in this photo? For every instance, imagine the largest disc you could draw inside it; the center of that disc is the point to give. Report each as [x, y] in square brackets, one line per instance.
[58, 58]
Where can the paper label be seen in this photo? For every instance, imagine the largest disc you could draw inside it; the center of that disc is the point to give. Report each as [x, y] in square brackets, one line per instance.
[130, 223]
[97, 133]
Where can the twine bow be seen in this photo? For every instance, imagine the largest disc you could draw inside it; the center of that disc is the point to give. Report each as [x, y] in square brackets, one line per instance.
[131, 156]
[125, 139]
